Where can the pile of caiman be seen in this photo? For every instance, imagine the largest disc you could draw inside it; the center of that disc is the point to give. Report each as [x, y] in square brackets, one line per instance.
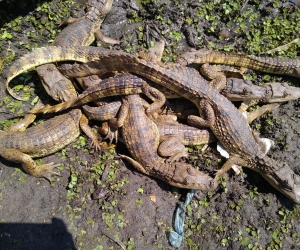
[136, 95]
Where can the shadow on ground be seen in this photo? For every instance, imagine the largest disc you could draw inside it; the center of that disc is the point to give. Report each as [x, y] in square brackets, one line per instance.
[34, 236]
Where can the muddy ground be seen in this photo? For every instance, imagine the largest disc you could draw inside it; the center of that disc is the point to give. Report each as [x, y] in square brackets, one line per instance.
[245, 212]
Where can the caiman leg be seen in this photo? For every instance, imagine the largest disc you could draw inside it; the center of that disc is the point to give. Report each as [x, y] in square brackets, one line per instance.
[26, 121]
[83, 122]
[22, 124]
[233, 160]
[172, 148]
[218, 81]
[28, 164]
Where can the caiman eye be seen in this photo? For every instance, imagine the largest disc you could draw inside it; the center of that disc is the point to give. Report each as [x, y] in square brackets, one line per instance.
[286, 185]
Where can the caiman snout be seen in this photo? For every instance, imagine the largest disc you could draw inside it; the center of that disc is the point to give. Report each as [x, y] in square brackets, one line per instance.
[185, 176]
[295, 193]
[286, 181]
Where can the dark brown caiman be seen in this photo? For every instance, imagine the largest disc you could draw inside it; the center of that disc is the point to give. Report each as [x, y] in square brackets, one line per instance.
[141, 137]
[220, 115]
[20, 145]
[274, 65]
[81, 31]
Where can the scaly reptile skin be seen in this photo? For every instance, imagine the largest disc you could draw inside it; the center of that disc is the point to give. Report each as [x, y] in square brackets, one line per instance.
[190, 136]
[187, 135]
[102, 113]
[141, 137]
[228, 125]
[81, 31]
[235, 90]
[40, 140]
[274, 65]
[226, 116]
[124, 84]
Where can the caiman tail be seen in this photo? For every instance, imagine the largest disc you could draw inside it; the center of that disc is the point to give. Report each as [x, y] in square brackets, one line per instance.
[274, 65]
[123, 84]
[41, 56]
[280, 176]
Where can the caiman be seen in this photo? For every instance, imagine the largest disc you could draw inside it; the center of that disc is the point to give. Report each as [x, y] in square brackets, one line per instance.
[173, 136]
[228, 125]
[235, 90]
[20, 145]
[274, 65]
[141, 137]
[81, 31]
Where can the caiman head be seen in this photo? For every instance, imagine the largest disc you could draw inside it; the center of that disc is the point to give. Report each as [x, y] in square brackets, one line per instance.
[281, 92]
[185, 176]
[285, 180]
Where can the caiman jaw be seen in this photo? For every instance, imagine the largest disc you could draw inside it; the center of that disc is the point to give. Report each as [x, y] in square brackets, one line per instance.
[186, 176]
[286, 182]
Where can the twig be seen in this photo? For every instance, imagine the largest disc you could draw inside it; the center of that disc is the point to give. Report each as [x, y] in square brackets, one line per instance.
[120, 243]
[284, 47]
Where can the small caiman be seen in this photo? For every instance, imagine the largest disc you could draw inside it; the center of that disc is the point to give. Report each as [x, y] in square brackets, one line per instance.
[141, 137]
[274, 65]
[20, 145]
[228, 125]
[173, 135]
[83, 31]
